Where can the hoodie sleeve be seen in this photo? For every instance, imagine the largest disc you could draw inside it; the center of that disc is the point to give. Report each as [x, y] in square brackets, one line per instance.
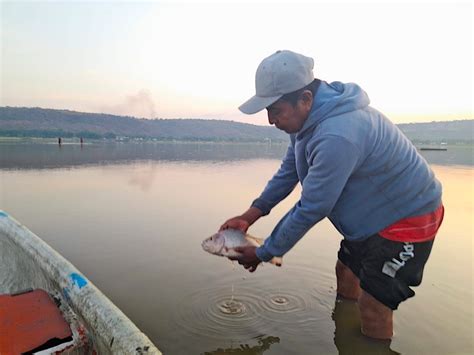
[332, 159]
[281, 184]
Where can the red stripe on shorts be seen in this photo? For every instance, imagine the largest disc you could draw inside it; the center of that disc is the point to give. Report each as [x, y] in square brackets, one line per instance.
[415, 229]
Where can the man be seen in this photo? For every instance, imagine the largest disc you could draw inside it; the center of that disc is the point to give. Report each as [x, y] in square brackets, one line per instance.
[357, 169]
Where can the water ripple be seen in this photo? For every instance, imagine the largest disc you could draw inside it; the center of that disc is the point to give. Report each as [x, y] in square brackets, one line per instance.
[215, 312]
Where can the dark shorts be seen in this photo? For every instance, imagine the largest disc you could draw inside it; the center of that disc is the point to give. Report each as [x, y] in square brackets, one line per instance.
[386, 268]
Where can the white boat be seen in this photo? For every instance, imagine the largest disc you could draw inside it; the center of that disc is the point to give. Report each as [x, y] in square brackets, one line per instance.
[27, 262]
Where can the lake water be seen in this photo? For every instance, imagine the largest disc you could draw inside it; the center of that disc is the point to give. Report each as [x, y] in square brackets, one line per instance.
[131, 217]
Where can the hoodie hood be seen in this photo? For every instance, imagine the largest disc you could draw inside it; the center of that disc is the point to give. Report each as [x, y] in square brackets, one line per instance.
[334, 99]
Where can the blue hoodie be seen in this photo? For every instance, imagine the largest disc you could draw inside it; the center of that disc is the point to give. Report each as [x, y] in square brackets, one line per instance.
[355, 167]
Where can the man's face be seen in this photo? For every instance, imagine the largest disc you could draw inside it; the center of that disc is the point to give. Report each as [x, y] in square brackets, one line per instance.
[287, 117]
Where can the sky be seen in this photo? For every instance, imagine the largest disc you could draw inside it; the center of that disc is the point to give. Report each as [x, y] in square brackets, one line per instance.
[196, 59]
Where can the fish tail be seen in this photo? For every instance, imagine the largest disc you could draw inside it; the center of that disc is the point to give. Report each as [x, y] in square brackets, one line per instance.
[276, 260]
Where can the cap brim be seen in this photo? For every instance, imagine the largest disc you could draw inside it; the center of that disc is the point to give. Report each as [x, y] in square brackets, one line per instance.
[257, 103]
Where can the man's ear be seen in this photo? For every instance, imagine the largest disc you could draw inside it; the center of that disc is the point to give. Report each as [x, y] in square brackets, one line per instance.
[306, 99]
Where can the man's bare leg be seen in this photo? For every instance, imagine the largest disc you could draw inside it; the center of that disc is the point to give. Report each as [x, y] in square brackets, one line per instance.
[376, 318]
[348, 285]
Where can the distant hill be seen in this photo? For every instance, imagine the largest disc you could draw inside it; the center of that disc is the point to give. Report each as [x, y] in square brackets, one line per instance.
[460, 131]
[38, 122]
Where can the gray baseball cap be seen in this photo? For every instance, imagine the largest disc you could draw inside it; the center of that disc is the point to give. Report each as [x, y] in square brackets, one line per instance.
[279, 74]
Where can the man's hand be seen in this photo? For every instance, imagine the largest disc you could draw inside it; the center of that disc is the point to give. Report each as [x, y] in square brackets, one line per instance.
[238, 222]
[244, 221]
[248, 258]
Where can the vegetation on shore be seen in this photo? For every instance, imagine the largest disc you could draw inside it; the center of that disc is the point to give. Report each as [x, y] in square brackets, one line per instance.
[23, 122]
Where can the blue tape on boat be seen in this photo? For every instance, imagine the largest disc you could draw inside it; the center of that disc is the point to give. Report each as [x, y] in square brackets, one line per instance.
[78, 280]
[3, 214]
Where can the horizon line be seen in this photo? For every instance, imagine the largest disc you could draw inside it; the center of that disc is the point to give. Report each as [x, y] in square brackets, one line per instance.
[207, 119]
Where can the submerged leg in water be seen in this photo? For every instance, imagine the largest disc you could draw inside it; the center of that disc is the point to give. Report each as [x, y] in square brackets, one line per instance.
[348, 337]
[376, 318]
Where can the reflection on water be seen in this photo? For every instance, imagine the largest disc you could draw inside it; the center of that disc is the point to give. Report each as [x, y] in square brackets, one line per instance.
[41, 156]
[263, 343]
[348, 338]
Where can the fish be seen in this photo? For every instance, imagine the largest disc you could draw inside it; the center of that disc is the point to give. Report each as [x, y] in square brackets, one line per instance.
[224, 242]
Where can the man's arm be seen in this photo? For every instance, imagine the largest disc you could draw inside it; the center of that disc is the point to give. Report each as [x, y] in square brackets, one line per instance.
[332, 161]
[280, 185]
